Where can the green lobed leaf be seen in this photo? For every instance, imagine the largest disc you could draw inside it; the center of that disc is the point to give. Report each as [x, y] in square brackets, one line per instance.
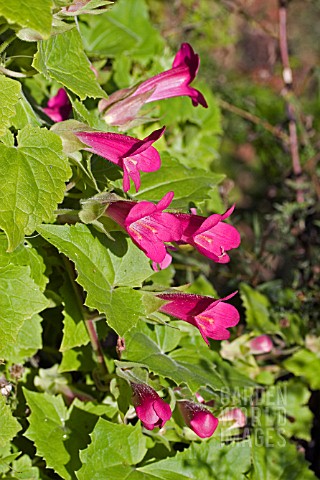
[126, 28]
[22, 469]
[211, 460]
[33, 179]
[104, 267]
[20, 300]
[188, 184]
[48, 431]
[59, 433]
[34, 14]
[9, 425]
[113, 449]
[305, 363]
[62, 58]
[145, 346]
[10, 91]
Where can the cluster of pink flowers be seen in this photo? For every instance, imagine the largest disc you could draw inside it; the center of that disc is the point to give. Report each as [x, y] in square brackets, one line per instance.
[153, 229]
[155, 412]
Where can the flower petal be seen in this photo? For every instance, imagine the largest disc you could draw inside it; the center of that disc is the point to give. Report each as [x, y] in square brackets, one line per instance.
[184, 306]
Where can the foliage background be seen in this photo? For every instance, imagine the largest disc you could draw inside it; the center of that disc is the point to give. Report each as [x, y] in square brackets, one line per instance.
[68, 413]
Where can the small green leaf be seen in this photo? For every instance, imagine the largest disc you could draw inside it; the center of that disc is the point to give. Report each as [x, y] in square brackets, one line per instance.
[20, 300]
[112, 450]
[9, 425]
[34, 14]
[257, 310]
[10, 91]
[305, 363]
[38, 170]
[62, 58]
[188, 184]
[22, 469]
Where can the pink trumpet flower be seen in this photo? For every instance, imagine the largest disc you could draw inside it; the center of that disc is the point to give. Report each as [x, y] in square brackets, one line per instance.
[150, 408]
[148, 225]
[130, 154]
[123, 105]
[58, 107]
[210, 236]
[198, 418]
[212, 317]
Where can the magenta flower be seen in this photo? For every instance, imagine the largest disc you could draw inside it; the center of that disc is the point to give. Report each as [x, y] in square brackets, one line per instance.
[58, 107]
[150, 408]
[123, 105]
[130, 154]
[212, 317]
[210, 236]
[261, 344]
[234, 415]
[198, 418]
[148, 225]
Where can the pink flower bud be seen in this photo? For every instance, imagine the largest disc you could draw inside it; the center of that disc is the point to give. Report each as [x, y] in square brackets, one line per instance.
[261, 344]
[123, 105]
[150, 408]
[198, 418]
[236, 416]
